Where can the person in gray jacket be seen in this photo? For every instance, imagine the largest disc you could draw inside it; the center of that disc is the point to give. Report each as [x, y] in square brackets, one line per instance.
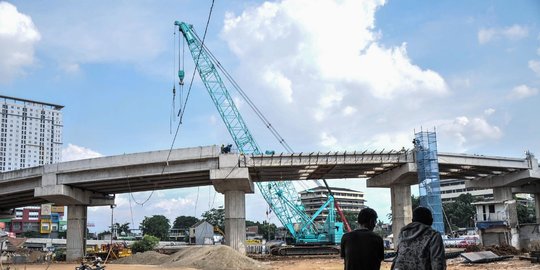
[420, 247]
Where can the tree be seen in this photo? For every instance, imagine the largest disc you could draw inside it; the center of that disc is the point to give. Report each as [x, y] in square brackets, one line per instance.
[460, 212]
[351, 217]
[268, 230]
[216, 217]
[147, 243]
[526, 214]
[122, 228]
[157, 225]
[183, 222]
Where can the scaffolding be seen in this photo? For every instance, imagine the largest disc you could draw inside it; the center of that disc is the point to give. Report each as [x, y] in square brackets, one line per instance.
[425, 145]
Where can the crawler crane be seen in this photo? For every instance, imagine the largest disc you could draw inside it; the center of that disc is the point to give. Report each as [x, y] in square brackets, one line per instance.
[310, 237]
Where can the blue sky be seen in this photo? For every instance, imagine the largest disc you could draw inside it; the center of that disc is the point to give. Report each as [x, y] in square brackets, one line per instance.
[344, 75]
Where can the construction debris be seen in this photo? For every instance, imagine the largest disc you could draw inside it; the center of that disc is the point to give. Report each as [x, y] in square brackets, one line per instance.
[483, 257]
[503, 250]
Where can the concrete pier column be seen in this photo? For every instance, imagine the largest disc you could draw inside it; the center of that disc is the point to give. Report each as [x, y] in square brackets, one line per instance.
[537, 207]
[235, 220]
[76, 232]
[401, 209]
[234, 183]
[502, 193]
[505, 194]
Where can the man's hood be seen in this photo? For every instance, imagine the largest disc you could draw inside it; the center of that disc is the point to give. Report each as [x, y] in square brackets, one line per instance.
[413, 230]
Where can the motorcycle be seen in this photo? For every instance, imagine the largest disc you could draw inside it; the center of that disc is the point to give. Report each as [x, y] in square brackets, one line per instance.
[96, 265]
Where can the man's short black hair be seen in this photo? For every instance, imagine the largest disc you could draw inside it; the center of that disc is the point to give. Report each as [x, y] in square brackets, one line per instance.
[366, 215]
[422, 215]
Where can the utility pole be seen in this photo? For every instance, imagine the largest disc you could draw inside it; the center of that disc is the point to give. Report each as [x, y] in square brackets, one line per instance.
[112, 223]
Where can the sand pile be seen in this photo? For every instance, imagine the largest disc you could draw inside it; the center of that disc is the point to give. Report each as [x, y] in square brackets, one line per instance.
[146, 258]
[212, 257]
[200, 257]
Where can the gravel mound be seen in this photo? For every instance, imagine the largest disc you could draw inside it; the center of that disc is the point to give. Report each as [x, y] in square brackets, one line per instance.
[145, 258]
[212, 257]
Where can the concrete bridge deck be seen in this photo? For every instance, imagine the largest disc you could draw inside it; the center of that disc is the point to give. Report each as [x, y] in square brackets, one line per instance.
[189, 167]
[92, 182]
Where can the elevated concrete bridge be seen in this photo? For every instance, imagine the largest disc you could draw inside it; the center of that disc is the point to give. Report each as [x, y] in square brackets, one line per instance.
[94, 182]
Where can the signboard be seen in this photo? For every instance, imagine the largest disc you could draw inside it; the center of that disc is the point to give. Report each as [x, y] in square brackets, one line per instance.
[57, 209]
[46, 209]
[45, 227]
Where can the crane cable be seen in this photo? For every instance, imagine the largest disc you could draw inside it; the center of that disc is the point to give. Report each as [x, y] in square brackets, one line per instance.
[181, 62]
[248, 100]
[181, 115]
[252, 105]
[171, 116]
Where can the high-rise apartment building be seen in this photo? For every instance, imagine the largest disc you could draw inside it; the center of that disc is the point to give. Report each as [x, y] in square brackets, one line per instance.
[30, 133]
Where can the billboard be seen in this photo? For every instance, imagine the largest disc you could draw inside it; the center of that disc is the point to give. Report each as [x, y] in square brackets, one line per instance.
[46, 209]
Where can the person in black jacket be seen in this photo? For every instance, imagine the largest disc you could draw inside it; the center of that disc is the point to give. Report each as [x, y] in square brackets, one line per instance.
[362, 249]
[420, 247]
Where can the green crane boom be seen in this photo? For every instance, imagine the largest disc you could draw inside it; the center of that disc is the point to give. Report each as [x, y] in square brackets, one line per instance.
[280, 195]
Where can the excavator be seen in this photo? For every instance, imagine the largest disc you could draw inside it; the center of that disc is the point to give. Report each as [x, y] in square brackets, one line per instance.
[310, 237]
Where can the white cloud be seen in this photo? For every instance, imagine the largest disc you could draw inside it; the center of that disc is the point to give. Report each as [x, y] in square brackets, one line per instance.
[535, 66]
[75, 152]
[538, 51]
[342, 85]
[485, 35]
[171, 207]
[463, 132]
[281, 83]
[489, 111]
[290, 38]
[70, 68]
[522, 91]
[349, 110]
[18, 36]
[514, 32]
[328, 140]
[390, 141]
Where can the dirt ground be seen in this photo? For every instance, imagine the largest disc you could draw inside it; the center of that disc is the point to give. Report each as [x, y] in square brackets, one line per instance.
[299, 264]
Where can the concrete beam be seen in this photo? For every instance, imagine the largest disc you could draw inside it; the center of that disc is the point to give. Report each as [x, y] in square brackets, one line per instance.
[21, 185]
[511, 179]
[232, 179]
[405, 174]
[184, 154]
[482, 161]
[229, 177]
[67, 195]
[532, 188]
